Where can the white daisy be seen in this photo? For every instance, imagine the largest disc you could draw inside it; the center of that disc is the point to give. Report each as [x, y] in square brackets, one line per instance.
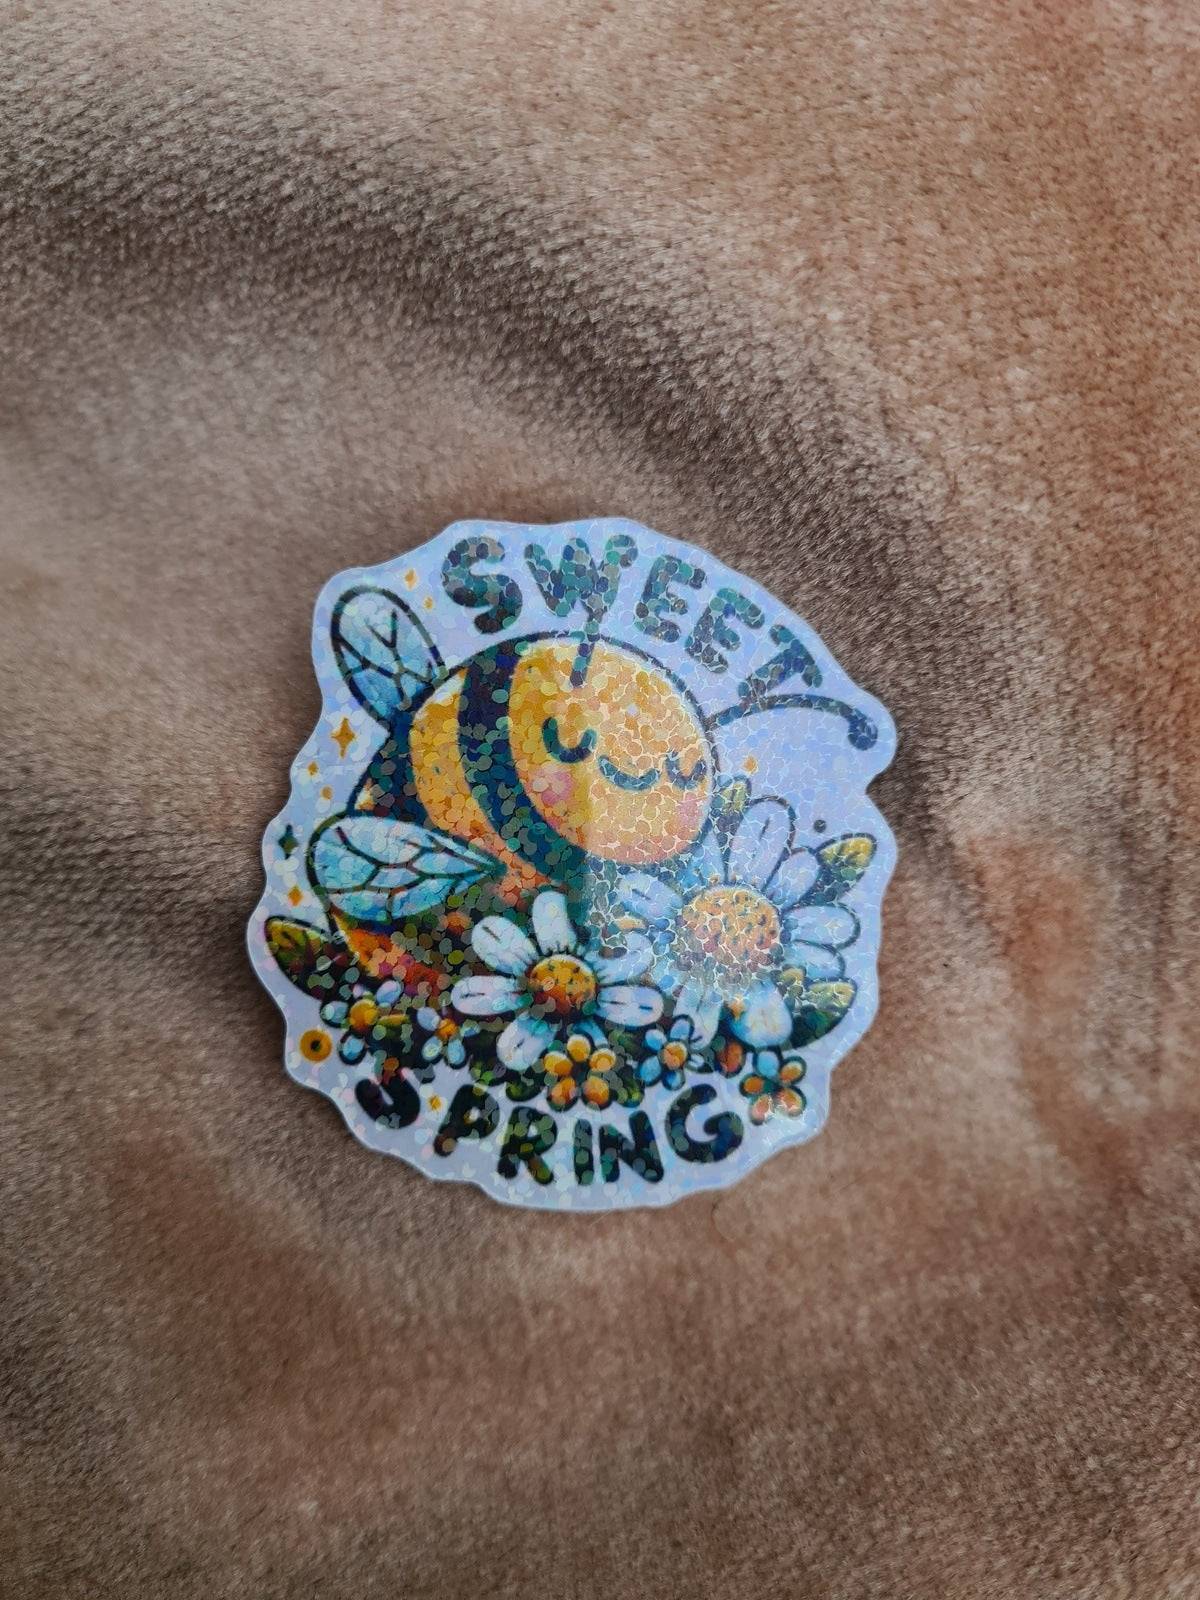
[744, 924]
[552, 983]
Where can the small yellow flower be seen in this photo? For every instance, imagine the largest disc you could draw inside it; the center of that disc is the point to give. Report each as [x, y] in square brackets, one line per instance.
[770, 1086]
[315, 1045]
[581, 1067]
[363, 1016]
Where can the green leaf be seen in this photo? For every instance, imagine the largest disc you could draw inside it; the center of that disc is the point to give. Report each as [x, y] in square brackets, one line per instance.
[822, 1006]
[297, 948]
[629, 1090]
[843, 862]
[517, 1085]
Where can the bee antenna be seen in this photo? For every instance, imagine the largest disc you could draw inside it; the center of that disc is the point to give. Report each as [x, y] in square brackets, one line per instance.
[583, 659]
[860, 730]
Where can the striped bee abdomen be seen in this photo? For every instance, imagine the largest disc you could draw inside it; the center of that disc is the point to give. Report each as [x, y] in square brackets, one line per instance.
[489, 770]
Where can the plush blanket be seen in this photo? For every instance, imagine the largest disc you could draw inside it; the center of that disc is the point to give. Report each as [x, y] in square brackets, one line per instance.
[893, 307]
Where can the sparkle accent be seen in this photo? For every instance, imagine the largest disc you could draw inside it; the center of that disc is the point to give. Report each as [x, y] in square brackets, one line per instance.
[295, 895]
[344, 736]
[288, 841]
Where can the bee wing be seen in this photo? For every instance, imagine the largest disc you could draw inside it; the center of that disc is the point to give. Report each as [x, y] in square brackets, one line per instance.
[384, 652]
[378, 870]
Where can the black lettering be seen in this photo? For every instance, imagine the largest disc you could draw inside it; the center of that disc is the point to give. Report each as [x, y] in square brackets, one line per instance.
[469, 588]
[724, 1130]
[528, 1136]
[712, 628]
[472, 1114]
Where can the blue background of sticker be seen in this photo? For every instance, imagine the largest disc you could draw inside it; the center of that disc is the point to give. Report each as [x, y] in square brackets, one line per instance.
[802, 756]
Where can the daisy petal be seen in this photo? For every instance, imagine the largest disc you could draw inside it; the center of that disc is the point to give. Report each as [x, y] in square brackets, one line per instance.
[650, 898]
[762, 837]
[766, 1019]
[552, 924]
[631, 963]
[665, 975]
[503, 946]
[634, 1005]
[794, 877]
[820, 963]
[831, 925]
[523, 1041]
[456, 1052]
[431, 1050]
[703, 1006]
[487, 997]
[388, 993]
[428, 1019]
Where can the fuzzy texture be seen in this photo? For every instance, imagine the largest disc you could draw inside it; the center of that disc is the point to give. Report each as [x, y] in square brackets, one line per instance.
[894, 307]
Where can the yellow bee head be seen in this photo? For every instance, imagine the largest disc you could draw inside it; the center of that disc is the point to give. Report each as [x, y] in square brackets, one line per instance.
[619, 764]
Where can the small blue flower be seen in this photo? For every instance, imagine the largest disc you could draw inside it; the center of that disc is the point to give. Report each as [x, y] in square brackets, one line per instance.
[679, 1049]
[447, 1037]
[365, 1018]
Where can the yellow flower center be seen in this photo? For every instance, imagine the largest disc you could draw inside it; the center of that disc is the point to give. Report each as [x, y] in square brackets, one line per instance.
[734, 929]
[673, 1055]
[364, 1014]
[562, 986]
[446, 1029]
[315, 1044]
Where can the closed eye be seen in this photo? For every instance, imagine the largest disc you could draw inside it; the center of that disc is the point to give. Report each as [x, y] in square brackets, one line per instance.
[567, 753]
[627, 780]
[686, 780]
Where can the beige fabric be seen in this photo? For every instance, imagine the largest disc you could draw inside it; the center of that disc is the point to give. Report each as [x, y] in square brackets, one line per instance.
[891, 305]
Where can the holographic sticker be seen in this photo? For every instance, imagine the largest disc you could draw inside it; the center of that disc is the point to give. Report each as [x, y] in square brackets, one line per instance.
[577, 892]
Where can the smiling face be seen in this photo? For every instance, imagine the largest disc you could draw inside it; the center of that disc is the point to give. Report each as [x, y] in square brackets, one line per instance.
[618, 765]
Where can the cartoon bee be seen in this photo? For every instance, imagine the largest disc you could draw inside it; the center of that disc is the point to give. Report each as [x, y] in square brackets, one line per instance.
[538, 760]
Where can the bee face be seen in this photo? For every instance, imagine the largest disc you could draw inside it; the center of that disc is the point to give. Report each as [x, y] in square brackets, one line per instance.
[619, 765]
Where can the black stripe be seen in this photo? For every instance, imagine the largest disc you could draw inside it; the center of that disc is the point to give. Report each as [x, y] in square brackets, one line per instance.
[486, 751]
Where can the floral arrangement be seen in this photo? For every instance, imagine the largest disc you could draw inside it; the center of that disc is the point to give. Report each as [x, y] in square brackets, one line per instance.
[728, 962]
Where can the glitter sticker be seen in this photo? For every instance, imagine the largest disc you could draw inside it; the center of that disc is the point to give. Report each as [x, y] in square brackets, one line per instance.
[576, 895]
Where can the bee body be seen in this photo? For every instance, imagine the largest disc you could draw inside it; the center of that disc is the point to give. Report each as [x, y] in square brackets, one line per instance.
[508, 754]
[555, 757]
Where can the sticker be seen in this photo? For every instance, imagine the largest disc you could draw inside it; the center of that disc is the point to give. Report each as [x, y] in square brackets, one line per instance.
[576, 895]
